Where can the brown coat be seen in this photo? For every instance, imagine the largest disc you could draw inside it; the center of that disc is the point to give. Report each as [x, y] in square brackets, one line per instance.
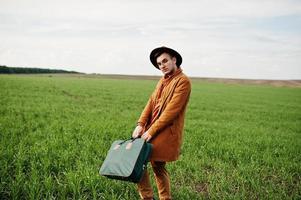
[167, 130]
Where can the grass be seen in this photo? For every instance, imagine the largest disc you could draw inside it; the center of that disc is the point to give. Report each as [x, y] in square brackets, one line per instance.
[241, 141]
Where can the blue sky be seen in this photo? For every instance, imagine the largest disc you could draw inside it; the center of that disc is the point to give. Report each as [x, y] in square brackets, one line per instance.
[253, 39]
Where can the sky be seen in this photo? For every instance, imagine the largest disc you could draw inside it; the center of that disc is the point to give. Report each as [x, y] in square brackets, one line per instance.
[249, 39]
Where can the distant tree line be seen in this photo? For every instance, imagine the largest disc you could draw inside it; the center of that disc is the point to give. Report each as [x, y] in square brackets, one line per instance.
[22, 70]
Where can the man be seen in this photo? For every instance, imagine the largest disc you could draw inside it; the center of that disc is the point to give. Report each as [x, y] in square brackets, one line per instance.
[162, 120]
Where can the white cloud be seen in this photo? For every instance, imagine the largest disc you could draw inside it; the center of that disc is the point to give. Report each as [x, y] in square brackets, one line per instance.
[217, 38]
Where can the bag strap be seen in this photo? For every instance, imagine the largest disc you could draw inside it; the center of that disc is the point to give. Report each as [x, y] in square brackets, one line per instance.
[132, 140]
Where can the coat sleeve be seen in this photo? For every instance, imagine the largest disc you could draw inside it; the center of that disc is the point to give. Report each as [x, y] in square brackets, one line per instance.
[147, 112]
[174, 107]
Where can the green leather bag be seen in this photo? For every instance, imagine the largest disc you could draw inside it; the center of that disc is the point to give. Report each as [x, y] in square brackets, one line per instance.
[126, 160]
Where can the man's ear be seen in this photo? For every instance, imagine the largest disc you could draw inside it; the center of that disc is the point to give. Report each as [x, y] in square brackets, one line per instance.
[174, 60]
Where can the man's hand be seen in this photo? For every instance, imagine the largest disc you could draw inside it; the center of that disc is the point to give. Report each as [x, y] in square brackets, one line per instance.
[147, 137]
[138, 131]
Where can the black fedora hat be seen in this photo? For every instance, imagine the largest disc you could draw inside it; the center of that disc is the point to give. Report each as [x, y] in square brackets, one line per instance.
[158, 51]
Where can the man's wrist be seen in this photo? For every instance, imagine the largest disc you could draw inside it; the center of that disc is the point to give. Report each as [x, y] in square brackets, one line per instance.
[140, 124]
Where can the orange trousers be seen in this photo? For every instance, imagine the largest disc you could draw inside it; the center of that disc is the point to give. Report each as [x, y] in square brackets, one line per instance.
[162, 181]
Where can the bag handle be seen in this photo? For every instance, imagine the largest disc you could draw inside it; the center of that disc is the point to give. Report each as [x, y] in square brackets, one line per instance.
[132, 140]
[129, 145]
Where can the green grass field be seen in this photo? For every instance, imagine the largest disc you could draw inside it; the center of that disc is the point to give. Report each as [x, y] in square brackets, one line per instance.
[241, 141]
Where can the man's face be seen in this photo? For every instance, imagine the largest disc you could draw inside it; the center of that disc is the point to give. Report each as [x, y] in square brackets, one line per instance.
[167, 64]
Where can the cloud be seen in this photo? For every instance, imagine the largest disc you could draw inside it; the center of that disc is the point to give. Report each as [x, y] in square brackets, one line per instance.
[249, 39]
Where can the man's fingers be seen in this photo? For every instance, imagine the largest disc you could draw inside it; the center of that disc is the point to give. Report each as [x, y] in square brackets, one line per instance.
[135, 134]
[138, 130]
[146, 137]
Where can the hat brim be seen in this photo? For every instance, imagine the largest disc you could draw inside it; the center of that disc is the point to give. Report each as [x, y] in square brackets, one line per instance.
[158, 51]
